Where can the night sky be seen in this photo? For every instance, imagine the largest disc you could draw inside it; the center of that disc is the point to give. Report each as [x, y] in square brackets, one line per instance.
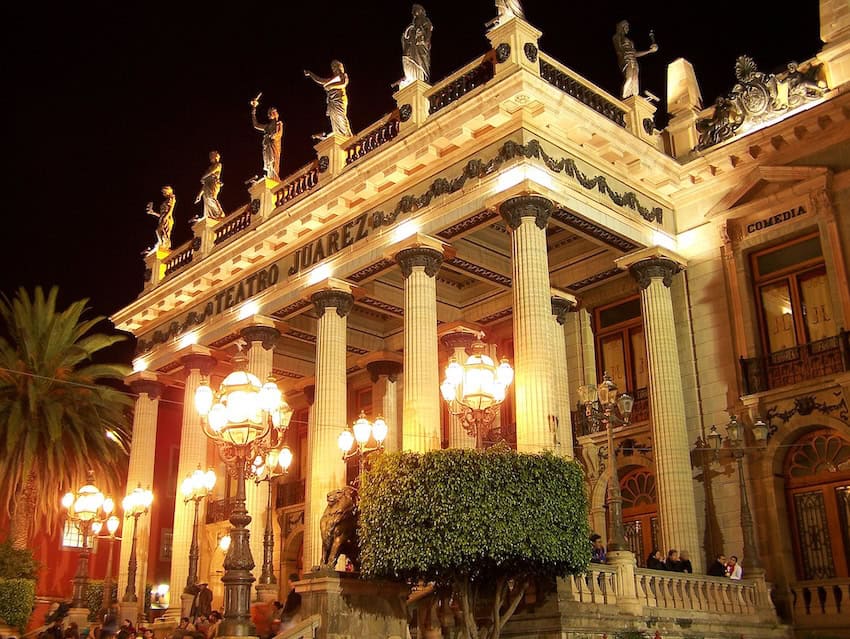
[105, 103]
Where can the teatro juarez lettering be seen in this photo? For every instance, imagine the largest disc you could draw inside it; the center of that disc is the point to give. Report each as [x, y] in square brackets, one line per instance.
[292, 264]
[773, 220]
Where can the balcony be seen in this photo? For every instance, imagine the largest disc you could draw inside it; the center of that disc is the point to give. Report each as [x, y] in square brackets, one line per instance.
[640, 414]
[794, 365]
[290, 493]
[822, 606]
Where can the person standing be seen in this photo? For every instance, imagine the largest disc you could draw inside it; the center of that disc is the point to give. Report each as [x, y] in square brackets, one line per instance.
[685, 562]
[597, 549]
[672, 563]
[654, 561]
[733, 569]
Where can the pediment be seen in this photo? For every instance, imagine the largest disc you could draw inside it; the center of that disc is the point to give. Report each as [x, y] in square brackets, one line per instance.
[762, 183]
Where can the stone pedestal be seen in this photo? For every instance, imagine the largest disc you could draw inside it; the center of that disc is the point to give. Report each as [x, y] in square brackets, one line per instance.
[353, 607]
[522, 39]
[333, 148]
[625, 563]
[128, 610]
[413, 96]
[80, 616]
[262, 191]
[641, 118]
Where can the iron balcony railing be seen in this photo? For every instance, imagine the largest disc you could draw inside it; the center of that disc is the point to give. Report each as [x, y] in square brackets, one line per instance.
[798, 364]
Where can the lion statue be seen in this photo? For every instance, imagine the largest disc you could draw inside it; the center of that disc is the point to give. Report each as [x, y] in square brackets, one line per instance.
[339, 526]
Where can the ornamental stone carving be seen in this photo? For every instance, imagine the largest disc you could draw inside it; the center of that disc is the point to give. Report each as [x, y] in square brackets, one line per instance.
[425, 256]
[266, 335]
[657, 267]
[516, 208]
[384, 368]
[560, 308]
[342, 301]
[530, 51]
[503, 52]
[198, 362]
[149, 387]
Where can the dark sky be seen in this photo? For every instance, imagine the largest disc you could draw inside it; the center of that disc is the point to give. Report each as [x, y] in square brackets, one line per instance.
[105, 103]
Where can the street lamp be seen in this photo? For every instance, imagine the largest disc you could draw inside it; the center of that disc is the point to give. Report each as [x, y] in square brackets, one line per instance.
[135, 504]
[195, 488]
[245, 419]
[475, 390]
[275, 464]
[111, 528]
[360, 433]
[736, 440]
[85, 507]
[602, 405]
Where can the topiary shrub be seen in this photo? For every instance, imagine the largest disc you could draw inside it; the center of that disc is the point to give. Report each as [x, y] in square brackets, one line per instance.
[483, 523]
[17, 598]
[94, 597]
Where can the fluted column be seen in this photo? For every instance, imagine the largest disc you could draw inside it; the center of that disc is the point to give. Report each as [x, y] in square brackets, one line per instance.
[421, 410]
[457, 342]
[197, 363]
[654, 271]
[527, 217]
[560, 376]
[261, 337]
[139, 473]
[384, 374]
[326, 470]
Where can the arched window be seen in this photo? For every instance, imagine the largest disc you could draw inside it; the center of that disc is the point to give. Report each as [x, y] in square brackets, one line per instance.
[640, 512]
[817, 472]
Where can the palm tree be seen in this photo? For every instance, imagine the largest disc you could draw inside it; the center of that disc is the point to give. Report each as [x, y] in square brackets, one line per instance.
[58, 418]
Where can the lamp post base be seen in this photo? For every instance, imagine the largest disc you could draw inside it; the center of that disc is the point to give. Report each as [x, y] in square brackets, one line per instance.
[129, 610]
[80, 616]
[267, 593]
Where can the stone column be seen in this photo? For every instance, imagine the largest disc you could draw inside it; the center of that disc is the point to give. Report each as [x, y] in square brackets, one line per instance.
[421, 411]
[139, 473]
[527, 217]
[384, 369]
[561, 305]
[457, 342]
[197, 364]
[654, 270]
[261, 337]
[326, 470]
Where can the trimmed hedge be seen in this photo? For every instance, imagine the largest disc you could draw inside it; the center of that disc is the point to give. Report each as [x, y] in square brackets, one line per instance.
[17, 598]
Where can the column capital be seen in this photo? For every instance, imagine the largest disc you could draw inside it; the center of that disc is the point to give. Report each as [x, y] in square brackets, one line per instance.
[561, 306]
[651, 263]
[198, 358]
[425, 256]
[266, 336]
[342, 301]
[386, 363]
[146, 383]
[516, 208]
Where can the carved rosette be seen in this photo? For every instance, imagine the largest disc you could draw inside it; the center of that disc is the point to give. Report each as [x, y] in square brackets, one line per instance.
[149, 387]
[405, 111]
[503, 52]
[516, 208]
[425, 256]
[266, 335]
[342, 301]
[560, 308]
[255, 206]
[530, 51]
[324, 163]
[198, 362]
[657, 267]
[387, 369]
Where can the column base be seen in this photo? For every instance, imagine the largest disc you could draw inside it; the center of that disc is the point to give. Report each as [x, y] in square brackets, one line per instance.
[267, 593]
[128, 610]
[625, 563]
[350, 606]
[80, 616]
[186, 600]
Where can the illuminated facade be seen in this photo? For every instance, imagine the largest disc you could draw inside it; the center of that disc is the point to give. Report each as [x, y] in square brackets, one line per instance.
[703, 266]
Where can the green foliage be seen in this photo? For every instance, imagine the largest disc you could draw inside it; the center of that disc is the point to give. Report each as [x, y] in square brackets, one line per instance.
[94, 597]
[17, 564]
[450, 514]
[56, 405]
[17, 598]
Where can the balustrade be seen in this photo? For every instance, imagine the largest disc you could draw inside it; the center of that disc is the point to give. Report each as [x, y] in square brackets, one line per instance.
[298, 185]
[821, 604]
[182, 256]
[798, 364]
[574, 86]
[469, 79]
[378, 136]
[233, 225]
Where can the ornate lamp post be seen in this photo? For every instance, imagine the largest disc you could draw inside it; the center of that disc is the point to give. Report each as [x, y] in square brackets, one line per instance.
[475, 390]
[136, 504]
[360, 433]
[86, 506]
[195, 488]
[604, 408]
[736, 440]
[245, 419]
[275, 464]
[111, 527]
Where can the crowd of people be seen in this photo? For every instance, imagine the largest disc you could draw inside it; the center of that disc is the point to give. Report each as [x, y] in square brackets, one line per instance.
[676, 561]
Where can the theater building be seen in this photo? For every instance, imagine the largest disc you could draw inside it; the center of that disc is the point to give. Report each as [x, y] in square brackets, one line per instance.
[703, 266]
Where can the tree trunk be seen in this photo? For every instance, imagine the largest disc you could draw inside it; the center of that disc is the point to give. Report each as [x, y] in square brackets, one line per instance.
[23, 513]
